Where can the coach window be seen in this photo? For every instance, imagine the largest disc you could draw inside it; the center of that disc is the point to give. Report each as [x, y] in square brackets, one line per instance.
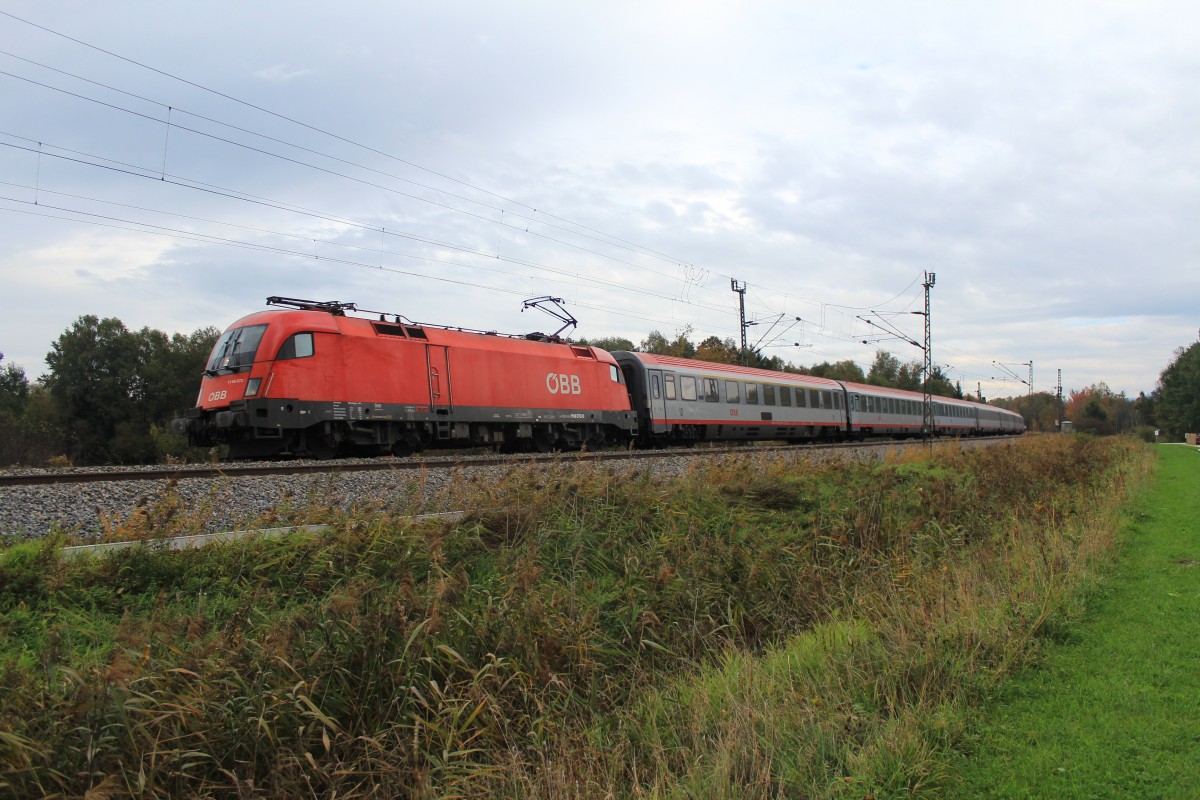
[687, 387]
[826, 399]
[670, 380]
[752, 393]
[802, 398]
[837, 401]
[655, 388]
[785, 395]
[731, 392]
[768, 394]
[710, 390]
[298, 345]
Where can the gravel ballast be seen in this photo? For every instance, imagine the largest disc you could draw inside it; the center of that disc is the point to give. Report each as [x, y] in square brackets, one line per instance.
[91, 511]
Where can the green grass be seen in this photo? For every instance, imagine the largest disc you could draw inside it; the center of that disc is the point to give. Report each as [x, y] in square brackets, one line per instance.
[1114, 712]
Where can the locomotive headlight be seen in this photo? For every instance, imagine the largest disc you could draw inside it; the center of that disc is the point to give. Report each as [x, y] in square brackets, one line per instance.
[252, 386]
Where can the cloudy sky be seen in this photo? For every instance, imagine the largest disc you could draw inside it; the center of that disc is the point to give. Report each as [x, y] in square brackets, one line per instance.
[446, 161]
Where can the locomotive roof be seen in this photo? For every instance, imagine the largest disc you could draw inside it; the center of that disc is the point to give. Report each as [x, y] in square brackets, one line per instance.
[320, 320]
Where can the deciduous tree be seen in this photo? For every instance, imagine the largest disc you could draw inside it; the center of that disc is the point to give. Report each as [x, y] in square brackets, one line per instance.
[845, 370]
[1177, 403]
[885, 370]
[722, 351]
[112, 384]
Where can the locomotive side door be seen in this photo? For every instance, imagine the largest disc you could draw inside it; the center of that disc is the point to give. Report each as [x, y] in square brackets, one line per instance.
[438, 360]
[658, 404]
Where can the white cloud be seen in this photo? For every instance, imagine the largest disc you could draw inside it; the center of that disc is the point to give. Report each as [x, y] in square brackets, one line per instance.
[282, 73]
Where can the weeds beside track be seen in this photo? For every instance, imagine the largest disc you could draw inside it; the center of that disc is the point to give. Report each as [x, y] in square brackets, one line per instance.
[750, 630]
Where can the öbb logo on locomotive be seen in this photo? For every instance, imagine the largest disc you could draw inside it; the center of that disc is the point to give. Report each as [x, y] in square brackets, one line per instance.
[560, 383]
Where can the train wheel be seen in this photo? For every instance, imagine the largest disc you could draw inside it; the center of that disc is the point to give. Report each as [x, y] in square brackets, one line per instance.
[542, 442]
[402, 449]
[318, 444]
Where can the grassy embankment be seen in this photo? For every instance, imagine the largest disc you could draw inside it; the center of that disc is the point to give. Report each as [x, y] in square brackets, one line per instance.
[1115, 710]
[754, 629]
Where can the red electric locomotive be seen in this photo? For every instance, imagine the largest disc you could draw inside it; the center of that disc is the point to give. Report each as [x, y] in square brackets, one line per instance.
[312, 381]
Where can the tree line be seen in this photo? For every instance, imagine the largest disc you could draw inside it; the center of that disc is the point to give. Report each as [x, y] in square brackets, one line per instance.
[110, 393]
[108, 396]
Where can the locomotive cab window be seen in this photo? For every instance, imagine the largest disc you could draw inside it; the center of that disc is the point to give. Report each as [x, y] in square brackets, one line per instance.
[614, 373]
[235, 349]
[298, 345]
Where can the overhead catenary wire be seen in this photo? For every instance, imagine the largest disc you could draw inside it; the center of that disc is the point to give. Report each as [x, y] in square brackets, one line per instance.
[368, 148]
[625, 287]
[529, 220]
[539, 214]
[184, 182]
[158, 230]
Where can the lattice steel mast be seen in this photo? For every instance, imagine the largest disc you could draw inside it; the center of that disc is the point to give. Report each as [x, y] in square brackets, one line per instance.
[927, 404]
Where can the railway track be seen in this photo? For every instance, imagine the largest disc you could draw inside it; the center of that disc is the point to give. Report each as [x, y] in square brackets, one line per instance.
[234, 470]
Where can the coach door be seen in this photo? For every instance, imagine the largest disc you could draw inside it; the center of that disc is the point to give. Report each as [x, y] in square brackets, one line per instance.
[658, 403]
[439, 379]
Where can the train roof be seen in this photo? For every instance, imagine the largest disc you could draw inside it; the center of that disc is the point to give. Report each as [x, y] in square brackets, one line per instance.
[864, 388]
[870, 387]
[733, 370]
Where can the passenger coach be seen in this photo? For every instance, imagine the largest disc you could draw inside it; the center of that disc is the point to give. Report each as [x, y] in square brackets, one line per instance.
[682, 400]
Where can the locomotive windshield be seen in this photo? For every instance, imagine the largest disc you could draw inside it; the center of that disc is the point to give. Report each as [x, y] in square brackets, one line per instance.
[235, 349]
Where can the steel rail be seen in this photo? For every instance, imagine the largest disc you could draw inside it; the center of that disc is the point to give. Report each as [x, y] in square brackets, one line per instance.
[383, 464]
